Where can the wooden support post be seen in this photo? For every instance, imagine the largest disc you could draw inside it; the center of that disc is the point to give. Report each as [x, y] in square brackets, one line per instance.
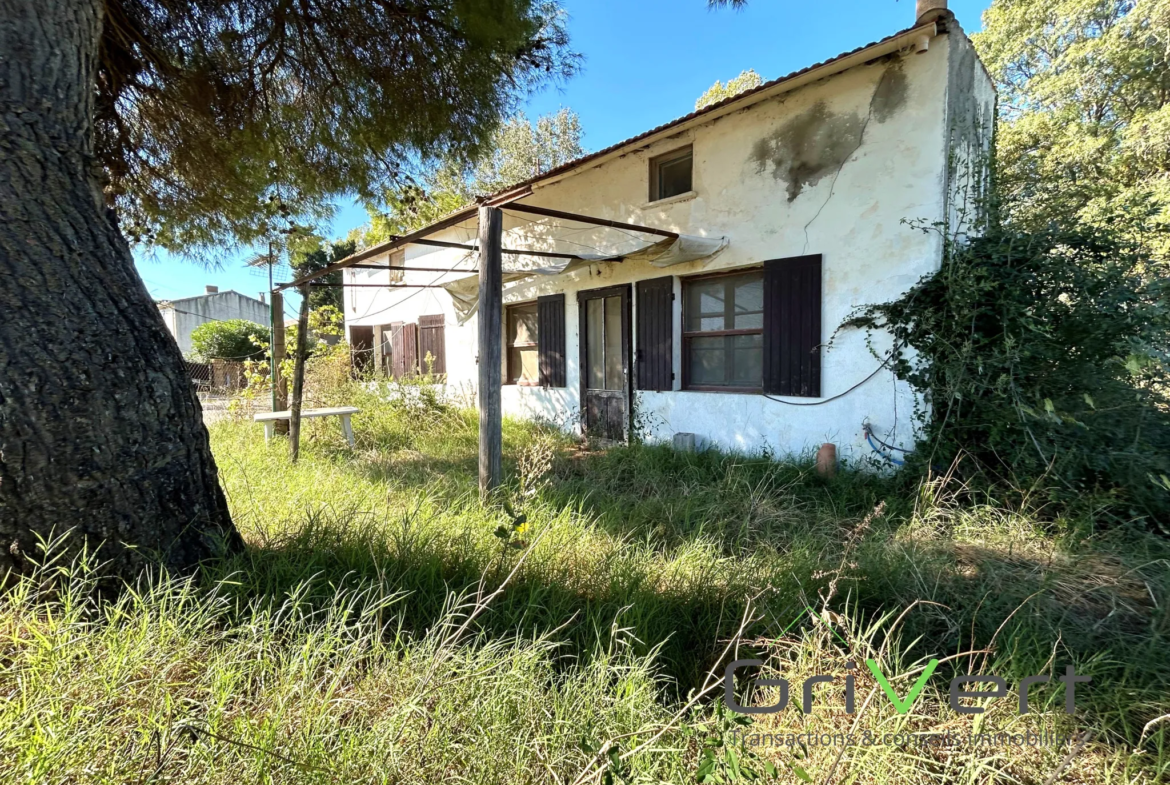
[298, 391]
[277, 350]
[491, 320]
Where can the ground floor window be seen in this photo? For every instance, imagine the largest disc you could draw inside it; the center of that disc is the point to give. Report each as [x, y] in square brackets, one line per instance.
[723, 325]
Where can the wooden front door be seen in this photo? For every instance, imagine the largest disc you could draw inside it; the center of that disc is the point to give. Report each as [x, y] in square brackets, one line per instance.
[605, 362]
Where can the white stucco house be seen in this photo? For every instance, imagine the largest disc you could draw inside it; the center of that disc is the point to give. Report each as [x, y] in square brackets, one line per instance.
[185, 314]
[726, 248]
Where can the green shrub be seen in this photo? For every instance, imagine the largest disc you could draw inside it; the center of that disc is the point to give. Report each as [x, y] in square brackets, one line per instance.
[1043, 362]
[231, 339]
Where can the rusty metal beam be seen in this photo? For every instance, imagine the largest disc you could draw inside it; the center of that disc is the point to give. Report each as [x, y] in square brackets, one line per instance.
[588, 219]
[412, 269]
[376, 285]
[390, 245]
[511, 251]
[419, 237]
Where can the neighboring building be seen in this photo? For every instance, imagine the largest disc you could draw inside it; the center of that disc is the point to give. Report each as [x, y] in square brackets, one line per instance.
[184, 315]
[792, 201]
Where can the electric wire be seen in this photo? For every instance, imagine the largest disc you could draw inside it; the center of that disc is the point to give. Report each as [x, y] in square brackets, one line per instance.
[463, 259]
[823, 401]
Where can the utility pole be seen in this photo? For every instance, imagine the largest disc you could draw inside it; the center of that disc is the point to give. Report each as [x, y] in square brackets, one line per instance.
[276, 348]
[491, 307]
[278, 351]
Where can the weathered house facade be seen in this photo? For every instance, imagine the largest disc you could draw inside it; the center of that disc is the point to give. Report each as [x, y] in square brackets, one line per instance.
[791, 205]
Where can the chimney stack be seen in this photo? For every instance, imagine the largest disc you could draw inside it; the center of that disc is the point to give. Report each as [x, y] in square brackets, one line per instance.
[212, 289]
[262, 296]
[930, 10]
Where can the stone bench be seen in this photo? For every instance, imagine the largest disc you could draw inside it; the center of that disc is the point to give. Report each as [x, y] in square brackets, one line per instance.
[344, 412]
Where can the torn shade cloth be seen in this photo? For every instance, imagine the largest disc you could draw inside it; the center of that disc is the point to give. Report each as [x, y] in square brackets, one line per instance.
[664, 253]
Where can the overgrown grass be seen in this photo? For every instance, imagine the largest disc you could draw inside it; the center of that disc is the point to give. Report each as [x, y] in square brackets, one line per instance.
[346, 644]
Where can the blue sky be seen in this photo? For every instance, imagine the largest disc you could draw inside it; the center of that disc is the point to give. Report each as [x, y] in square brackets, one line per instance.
[646, 61]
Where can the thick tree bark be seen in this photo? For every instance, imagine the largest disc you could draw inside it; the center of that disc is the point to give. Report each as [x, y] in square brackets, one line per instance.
[100, 430]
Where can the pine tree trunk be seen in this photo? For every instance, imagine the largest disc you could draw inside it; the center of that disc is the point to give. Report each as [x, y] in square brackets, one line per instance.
[100, 430]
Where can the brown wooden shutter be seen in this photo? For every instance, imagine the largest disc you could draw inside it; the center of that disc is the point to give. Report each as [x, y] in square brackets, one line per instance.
[655, 335]
[410, 349]
[431, 339]
[361, 347]
[550, 339]
[397, 351]
[792, 326]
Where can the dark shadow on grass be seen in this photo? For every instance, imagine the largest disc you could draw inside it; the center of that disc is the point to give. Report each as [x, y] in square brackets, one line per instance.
[590, 620]
[1054, 613]
[786, 528]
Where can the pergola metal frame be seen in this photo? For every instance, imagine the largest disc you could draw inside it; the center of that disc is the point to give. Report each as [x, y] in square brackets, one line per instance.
[489, 215]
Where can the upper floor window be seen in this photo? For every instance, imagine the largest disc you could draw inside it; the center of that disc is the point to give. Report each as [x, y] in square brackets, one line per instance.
[670, 174]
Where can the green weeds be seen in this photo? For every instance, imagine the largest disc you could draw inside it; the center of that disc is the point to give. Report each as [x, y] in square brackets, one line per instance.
[379, 628]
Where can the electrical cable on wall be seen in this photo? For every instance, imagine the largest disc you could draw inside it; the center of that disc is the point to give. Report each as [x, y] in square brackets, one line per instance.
[823, 401]
[465, 258]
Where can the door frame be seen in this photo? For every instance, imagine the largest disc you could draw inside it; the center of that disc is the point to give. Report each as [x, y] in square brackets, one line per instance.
[626, 292]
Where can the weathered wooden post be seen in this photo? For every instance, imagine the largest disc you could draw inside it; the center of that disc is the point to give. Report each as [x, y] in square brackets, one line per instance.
[277, 350]
[294, 420]
[491, 297]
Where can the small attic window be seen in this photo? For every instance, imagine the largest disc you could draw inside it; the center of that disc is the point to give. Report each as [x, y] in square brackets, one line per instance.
[670, 174]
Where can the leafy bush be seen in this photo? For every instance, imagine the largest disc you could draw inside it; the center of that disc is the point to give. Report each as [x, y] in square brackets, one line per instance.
[1043, 361]
[232, 339]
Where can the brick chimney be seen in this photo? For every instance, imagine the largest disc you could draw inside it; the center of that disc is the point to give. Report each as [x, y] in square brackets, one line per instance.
[930, 10]
[211, 289]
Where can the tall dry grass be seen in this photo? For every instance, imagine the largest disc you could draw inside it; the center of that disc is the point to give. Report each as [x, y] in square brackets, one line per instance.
[354, 639]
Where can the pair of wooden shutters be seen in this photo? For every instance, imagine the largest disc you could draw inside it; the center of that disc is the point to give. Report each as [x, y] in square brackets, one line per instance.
[410, 343]
[791, 335]
[550, 339]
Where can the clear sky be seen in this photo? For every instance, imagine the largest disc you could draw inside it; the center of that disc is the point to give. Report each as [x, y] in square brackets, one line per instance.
[646, 61]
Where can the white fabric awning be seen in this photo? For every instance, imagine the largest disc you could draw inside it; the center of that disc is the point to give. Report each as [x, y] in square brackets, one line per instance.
[664, 253]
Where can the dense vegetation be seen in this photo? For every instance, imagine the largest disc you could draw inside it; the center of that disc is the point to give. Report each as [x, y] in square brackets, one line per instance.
[310, 254]
[229, 339]
[1084, 112]
[519, 149]
[1044, 361]
[361, 638]
[747, 80]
